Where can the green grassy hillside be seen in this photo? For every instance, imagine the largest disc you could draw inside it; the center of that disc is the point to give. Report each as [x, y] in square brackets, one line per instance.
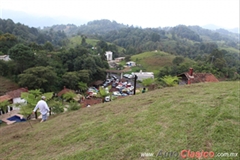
[76, 40]
[153, 61]
[196, 117]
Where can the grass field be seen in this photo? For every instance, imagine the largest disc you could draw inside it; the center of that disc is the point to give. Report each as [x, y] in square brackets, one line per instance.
[153, 61]
[197, 117]
[6, 85]
[230, 49]
[76, 40]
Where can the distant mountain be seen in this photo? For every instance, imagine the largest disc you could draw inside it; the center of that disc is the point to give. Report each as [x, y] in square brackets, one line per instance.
[96, 27]
[234, 30]
[211, 27]
[214, 27]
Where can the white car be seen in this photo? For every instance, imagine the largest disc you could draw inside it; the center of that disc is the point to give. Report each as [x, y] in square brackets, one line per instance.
[126, 75]
[130, 76]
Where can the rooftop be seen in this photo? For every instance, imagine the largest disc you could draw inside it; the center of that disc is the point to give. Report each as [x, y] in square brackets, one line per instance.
[17, 93]
[5, 98]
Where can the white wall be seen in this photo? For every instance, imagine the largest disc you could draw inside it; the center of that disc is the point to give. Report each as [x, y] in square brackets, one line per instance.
[109, 55]
[18, 100]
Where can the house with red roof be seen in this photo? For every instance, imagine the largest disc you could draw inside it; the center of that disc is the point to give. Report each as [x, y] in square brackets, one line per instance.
[16, 95]
[191, 77]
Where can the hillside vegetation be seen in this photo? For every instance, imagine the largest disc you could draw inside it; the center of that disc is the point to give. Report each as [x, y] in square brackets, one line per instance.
[153, 61]
[77, 40]
[197, 117]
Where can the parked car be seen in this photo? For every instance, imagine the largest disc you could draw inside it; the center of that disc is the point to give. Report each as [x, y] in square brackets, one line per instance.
[126, 75]
[116, 93]
[108, 81]
[113, 76]
[130, 76]
[105, 84]
[114, 84]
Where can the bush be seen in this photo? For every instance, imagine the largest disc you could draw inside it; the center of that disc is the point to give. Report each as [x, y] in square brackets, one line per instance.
[56, 107]
[170, 80]
[73, 106]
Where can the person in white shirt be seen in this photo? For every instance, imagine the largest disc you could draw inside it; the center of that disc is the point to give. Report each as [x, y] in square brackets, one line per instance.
[44, 109]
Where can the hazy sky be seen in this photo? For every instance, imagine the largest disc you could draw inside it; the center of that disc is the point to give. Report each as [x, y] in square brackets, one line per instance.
[145, 13]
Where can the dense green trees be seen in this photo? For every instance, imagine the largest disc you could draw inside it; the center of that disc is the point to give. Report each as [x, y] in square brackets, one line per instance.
[23, 57]
[177, 60]
[39, 78]
[6, 42]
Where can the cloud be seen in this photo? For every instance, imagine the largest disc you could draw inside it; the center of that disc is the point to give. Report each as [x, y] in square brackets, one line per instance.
[145, 13]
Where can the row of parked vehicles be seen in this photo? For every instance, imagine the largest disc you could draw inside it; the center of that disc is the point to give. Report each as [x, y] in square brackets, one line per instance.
[124, 88]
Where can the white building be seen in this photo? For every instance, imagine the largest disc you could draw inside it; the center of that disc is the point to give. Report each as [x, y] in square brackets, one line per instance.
[131, 64]
[5, 58]
[109, 55]
[143, 75]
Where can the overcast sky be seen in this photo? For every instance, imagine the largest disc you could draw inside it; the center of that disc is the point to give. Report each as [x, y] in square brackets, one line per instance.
[145, 13]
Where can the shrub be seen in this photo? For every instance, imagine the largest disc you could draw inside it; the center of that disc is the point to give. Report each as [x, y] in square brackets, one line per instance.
[170, 80]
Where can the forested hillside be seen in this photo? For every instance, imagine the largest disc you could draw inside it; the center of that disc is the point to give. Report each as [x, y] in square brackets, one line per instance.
[25, 34]
[64, 55]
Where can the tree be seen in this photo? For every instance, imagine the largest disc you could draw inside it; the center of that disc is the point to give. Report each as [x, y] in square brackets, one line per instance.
[155, 37]
[104, 92]
[83, 42]
[70, 80]
[23, 56]
[48, 46]
[127, 58]
[178, 60]
[4, 106]
[39, 77]
[84, 76]
[82, 87]
[147, 82]
[6, 42]
[69, 96]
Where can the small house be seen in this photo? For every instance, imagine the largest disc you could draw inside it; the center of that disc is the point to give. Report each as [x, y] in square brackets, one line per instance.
[16, 95]
[191, 77]
[5, 58]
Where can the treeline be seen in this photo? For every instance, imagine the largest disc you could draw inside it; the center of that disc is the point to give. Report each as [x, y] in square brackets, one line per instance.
[96, 27]
[26, 34]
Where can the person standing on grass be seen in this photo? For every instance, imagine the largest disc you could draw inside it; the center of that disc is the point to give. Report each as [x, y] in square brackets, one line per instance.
[44, 109]
[144, 90]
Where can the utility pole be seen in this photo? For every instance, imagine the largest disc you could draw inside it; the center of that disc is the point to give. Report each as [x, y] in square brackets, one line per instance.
[135, 83]
[212, 60]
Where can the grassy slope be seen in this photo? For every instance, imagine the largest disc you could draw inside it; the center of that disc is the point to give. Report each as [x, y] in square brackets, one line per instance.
[196, 117]
[6, 85]
[74, 41]
[153, 61]
[230, 49]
